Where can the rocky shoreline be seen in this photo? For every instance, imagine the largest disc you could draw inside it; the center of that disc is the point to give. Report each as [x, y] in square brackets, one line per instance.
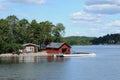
[43, 53]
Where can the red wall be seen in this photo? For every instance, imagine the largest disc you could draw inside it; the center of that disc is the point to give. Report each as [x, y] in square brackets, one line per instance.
[59, 51]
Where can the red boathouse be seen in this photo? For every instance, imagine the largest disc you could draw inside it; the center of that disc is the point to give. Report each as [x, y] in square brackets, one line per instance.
[58, 48]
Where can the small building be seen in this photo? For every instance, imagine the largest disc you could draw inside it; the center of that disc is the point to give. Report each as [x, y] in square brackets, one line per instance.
[30, 48]
[58, 48]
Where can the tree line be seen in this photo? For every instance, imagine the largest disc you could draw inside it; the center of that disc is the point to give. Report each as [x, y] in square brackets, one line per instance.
[15, 32]
[107, 39]
[78, 40]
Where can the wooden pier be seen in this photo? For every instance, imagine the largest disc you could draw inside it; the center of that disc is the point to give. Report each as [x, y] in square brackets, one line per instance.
[76, 55]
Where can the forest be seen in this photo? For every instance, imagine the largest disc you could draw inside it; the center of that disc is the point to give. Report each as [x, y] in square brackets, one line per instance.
[107, 39]
[78, 40]
[82, 40]
[15, 32]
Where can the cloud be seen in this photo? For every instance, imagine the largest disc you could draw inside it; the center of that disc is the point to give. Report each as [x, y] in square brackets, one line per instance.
[83, 16]
[102, 6]
[109, 28]
[29, 1]
[103, 9]
[93, 30]
[3, 5]
[94, 2]
[114, 24]
[2, 8]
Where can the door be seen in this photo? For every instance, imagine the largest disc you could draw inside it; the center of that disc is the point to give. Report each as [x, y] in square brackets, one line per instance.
[64, 50]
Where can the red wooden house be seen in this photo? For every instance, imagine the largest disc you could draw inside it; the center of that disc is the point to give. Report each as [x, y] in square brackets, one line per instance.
[58, 48]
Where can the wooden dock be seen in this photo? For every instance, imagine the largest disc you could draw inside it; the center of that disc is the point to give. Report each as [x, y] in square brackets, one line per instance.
[76, 55]
[80, 54]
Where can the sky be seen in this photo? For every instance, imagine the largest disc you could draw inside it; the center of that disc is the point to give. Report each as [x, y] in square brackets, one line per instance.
[92, 18]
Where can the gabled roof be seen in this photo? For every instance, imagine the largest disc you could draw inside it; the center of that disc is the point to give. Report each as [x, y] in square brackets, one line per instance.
[55, 45]
[30, 44]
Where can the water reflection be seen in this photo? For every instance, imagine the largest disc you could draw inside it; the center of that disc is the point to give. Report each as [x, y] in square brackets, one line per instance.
[55, 59]
[25, 59]
[9, 60]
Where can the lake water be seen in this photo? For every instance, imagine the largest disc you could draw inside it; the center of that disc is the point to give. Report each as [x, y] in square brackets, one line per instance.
[105, 66]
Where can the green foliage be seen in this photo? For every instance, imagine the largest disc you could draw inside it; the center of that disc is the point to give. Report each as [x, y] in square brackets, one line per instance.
[58, 32]
[15, 32]
[77, 40]
[24, 23]
[46, 30]
[12, 47]
[107, 39]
